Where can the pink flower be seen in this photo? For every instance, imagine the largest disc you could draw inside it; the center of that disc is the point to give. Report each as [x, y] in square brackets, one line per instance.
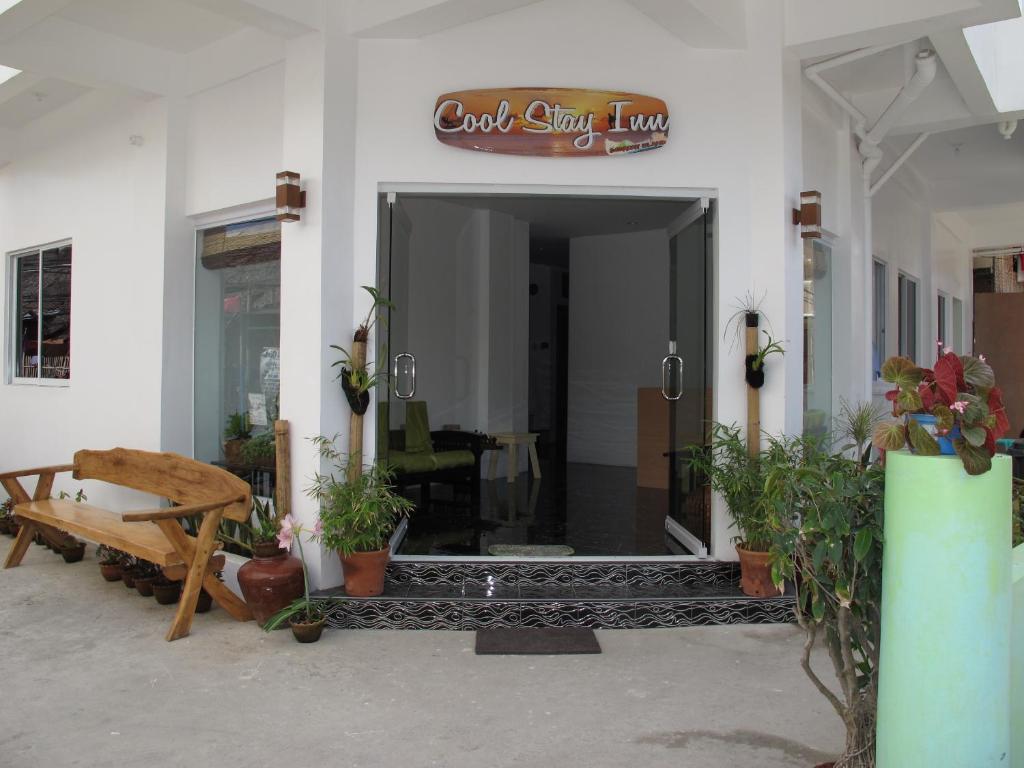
[318, 529]
[938, 342]
[946, 350]
[982, 358]
[287, 533]
[959, 406]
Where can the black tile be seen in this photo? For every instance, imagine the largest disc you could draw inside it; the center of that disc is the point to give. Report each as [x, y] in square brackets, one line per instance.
[562, 614]
[545, 573]
[479, 615]
[548, 592]
[601, 591]
[607, 615]
[489, 590]
[598, 573]
[434, 591]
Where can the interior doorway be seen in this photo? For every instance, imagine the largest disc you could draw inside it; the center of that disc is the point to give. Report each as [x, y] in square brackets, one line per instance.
[550, 368]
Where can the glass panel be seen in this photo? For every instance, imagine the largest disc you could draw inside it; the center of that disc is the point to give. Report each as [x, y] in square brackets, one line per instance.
[55, 334]
[908, 317]
[941, 309]
[817, 337]
[958, 326]
[237, 342]
[26, 353]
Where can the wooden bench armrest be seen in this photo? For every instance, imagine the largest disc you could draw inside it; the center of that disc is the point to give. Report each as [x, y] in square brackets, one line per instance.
[37, 471]
[174, 512]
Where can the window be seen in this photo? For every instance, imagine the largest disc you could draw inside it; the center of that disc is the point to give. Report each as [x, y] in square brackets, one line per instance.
[817, 337]
[41, 323]
[958, 327]
[878, 306]
[237, 341]
[942, 324]
[908, 317]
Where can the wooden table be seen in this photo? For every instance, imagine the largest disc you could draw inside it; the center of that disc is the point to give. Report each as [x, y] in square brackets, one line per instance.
[513, 440]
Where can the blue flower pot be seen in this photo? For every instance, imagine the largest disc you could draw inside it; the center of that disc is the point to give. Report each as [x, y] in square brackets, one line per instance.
[945, 442]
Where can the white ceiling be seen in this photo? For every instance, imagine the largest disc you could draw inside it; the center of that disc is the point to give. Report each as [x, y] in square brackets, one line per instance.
[44, 96]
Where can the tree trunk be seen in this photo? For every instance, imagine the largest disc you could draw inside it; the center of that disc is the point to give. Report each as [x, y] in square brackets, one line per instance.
[355, 434]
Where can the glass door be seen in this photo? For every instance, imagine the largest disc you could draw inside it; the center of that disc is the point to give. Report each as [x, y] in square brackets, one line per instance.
[686, 373]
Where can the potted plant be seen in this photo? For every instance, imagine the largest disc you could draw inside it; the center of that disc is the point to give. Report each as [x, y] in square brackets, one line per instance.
[739, 478]
[7, 517]
[236, 432]
[72, 550]
[145, 574]
[165, 591]
[110, 562]
[128, 568]
[205, 600]
[260, 450]
[272, 578]
[954, 407]
[357, 518]
[305, 615]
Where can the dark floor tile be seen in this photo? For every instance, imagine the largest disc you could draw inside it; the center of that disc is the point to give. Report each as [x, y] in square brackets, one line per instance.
[434, 591]
[601, 591]
[533, 591]
[489, 590]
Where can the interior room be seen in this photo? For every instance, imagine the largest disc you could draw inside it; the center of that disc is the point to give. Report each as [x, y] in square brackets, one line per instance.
[548, 372]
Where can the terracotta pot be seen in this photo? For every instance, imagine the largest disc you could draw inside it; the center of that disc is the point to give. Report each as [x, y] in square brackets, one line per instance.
[167, 593]
[204, 603]
[233, 451]
[128, 577]
[111, 571]
[270, 582]
[74, 553]
[5, 525]
[307, 632]
[756, 574]
[144, 585]
[364, 572]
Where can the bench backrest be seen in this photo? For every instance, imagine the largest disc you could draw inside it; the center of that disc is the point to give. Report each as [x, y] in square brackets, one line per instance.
[170, 475]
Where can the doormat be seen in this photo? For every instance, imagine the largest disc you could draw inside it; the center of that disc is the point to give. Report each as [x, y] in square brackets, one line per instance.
[541, 641]
[530, 550]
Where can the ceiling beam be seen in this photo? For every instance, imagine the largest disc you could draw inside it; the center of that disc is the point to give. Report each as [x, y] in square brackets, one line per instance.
[416, 18]
[951, 45]
[235, 56]
[282, 18]
[700, 23]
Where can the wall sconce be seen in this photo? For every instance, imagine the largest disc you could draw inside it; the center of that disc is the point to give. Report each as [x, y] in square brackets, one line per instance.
[808, 216]
[290, 199]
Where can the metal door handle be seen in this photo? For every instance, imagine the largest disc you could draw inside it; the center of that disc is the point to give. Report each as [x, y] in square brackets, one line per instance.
[412, 376]
[666, 365]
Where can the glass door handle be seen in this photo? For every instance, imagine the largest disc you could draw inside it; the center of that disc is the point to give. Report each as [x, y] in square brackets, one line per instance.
[671, 360]
[405, 364]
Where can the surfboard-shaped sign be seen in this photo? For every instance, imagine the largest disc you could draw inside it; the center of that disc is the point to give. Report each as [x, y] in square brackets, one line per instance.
[551, 122]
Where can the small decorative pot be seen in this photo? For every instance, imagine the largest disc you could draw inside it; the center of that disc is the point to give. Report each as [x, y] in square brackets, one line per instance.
[128, 577]
[204, 603]
[73, 553]
[756, 573]
[167, 593]
[364, 572]
[307, 632]
[270, 581]
[111, 571]
[144, 585]
[927, 421]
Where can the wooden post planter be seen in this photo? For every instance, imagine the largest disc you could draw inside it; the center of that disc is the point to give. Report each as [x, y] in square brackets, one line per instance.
[355, 435]
[753, 393]
[944, 696]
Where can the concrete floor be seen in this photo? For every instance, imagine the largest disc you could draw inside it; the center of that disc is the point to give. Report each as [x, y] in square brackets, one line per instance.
[87, 680]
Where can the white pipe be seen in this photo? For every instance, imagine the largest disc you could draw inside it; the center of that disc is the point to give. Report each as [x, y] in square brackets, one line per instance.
[899, 161]
[926, 64]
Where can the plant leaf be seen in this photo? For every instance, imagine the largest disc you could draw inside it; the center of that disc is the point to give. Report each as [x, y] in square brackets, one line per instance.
[944, 418]
[974, 435]
[909, 401]
[889, 436]
[997, 409]
[976, 460]
[924, 444]
[902, 372]
[978, 374]
[862, 543]
[948, 371]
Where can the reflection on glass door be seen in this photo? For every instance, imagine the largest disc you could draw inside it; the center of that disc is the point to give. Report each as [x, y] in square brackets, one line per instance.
[817, 337]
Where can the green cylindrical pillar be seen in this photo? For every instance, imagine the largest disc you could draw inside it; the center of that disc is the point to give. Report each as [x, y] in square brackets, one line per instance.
[944, 671]
[1017, 661]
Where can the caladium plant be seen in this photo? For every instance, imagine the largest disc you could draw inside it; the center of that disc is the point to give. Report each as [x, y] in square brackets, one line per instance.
[961, 394]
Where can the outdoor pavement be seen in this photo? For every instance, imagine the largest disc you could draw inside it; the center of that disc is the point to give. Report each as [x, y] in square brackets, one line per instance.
[86, 679]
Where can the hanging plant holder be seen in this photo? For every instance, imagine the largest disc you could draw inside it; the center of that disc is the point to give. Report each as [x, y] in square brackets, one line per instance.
[357, 401]
[754, 376]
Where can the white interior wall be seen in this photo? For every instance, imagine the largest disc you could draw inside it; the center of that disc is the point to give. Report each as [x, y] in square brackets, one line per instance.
[614, 353]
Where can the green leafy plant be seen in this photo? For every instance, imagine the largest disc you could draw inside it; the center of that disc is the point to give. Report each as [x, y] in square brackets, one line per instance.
[238, 427]
[109, 556]
[739, 478]
[304, 610]
[79, 495]
[770, 347]
[358, 514]
[746, 305]
[6, 509]
[961, 394]
[830, 549]
[259, 448]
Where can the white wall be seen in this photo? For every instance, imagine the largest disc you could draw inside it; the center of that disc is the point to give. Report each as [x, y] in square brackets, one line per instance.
[618, 330]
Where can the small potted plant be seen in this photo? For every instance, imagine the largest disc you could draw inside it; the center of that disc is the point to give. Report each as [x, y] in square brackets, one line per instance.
[205, 601]
[305, 615]
[129, 565]
[954, 407]
[7, 517]
[110, 562]
[165, 591]
[260, 451]
[72, 550]
[357, 517]
[236, 432]
[145, 574]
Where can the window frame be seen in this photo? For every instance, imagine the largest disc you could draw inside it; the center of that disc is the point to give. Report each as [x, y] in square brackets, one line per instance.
[942, 320]
[879, 335]
[10, 342]
[956, 307]
[903, 349]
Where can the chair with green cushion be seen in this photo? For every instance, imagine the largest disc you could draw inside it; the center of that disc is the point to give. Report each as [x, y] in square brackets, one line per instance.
[420, 456]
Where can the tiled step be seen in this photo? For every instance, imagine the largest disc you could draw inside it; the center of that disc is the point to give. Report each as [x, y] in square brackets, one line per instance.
[469, 595]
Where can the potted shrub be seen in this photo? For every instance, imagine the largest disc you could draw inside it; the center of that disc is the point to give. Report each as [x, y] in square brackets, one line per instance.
[110, 562]
[357, 518]
[305, 615]
[272, 578]
[236, 432]
[260, 450]
[739, 478]
[145, 574]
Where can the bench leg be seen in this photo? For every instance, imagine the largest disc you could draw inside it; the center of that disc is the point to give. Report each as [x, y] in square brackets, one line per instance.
[21, 543]
[204, 548]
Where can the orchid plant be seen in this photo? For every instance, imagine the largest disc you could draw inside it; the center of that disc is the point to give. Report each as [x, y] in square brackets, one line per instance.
[305, 610]
[961, 394]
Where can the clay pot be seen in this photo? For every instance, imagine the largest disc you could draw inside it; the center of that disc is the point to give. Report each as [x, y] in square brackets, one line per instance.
[270, 581]
[5, 525]
[167, 593]
[204, 603]
[364, 572]
[307, 632]
[144, 585]
[128, 577]
[756, 574]
[73, 553]
[233, 451]
[111, 571]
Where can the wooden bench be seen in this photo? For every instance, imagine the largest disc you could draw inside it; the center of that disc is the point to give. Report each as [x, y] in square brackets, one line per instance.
[155, 535]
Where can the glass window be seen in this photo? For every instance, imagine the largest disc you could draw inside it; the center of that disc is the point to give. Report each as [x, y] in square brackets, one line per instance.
[237, 339]
[942, 324]
[817, 337]
[878, 293]
[908, 317]
[958, 327]
[42, 314]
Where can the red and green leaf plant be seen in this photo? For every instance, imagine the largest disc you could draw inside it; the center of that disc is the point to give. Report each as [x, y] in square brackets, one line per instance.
[961, 394]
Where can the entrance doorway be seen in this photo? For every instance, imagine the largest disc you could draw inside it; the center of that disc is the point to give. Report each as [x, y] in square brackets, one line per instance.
[550, 366]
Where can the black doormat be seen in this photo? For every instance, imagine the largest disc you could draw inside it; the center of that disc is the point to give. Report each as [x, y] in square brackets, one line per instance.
[542, 641]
